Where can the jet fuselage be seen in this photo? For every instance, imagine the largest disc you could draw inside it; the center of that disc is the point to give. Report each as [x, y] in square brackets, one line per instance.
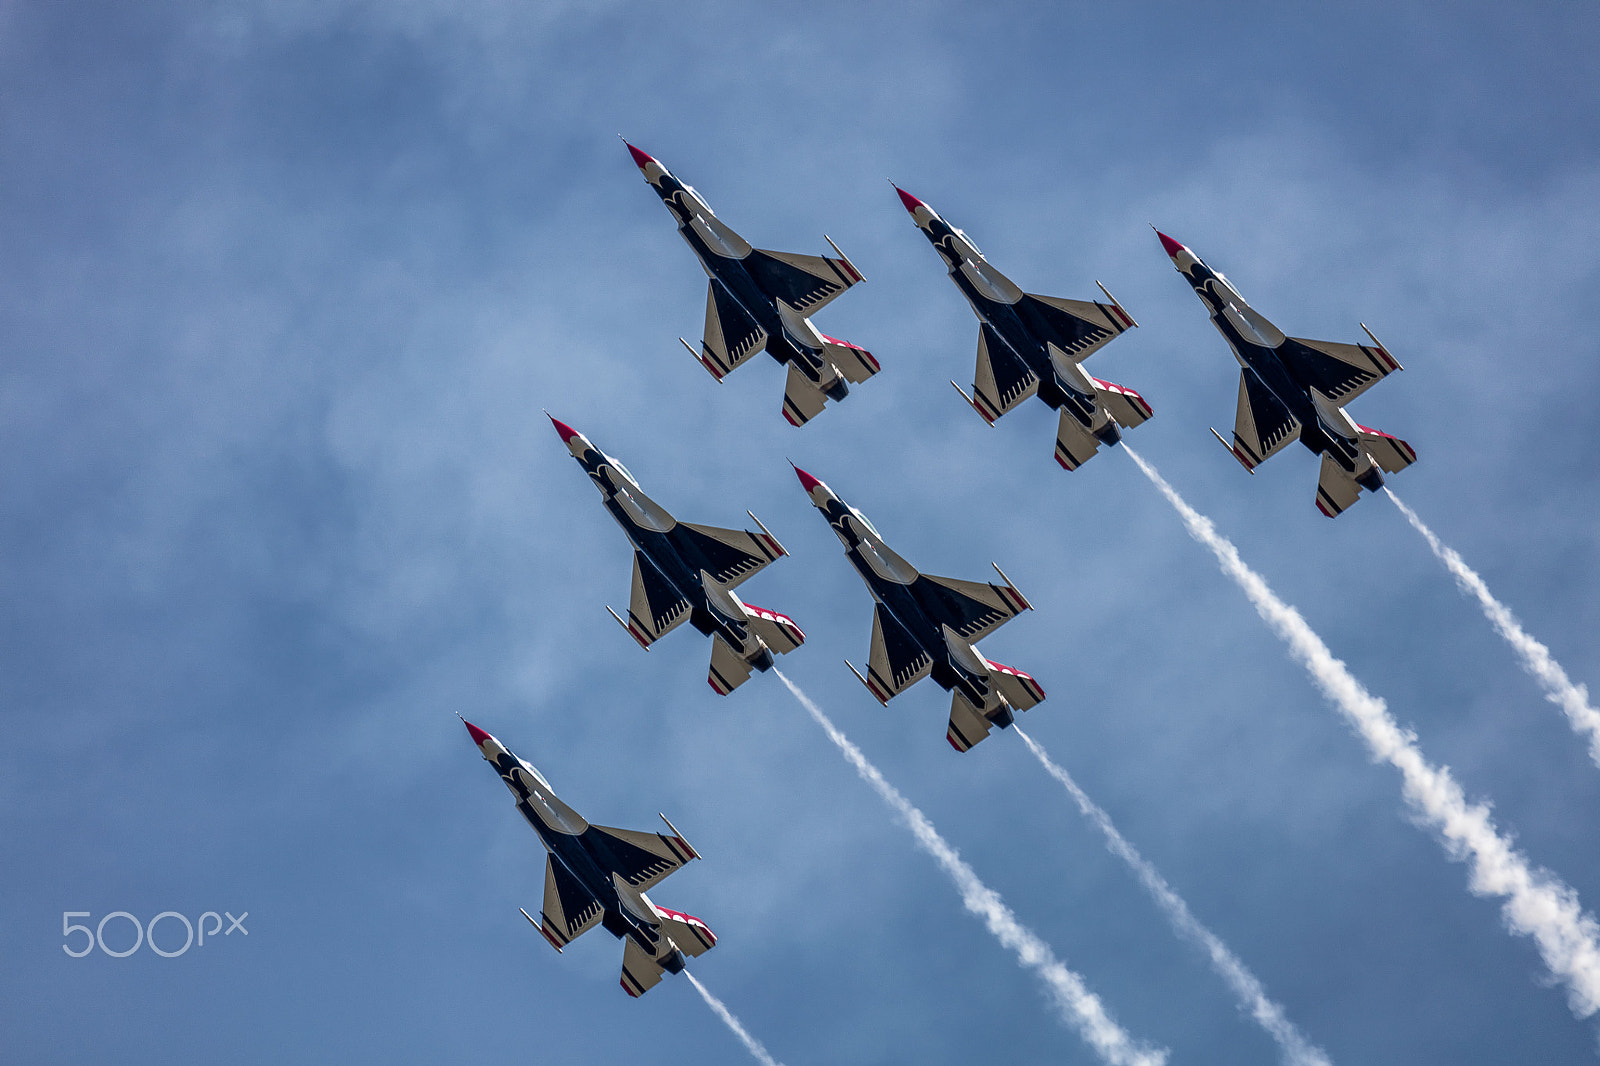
[584, 853]
[997, 301]
[893, 583]
[1258, 345]
[651, 529]
[722, 252]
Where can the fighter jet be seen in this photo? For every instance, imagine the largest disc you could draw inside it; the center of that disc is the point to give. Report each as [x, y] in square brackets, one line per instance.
[1031, 345]
[761, 299]
[684, 572]
[1290, 388]
[923, 624]
[598, 875]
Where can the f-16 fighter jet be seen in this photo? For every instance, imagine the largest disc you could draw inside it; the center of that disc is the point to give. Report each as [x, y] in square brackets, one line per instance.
[1291, 388]
[762, 299]
[598, 875]
[684, 572]
[1031, 345]
[923, 624]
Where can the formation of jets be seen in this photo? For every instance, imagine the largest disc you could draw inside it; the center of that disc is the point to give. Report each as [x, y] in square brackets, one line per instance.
[1289, 389]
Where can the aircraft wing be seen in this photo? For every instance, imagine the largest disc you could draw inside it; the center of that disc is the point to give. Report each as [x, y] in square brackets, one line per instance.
[655, 608]
[570, 910]
[731, 336]
[1341, 372]
[1083, 325]
[974, 609]
[732, 554]
[640, 859]
[896, 661]
[806, 283]
[1001, 380]
[1263, 425]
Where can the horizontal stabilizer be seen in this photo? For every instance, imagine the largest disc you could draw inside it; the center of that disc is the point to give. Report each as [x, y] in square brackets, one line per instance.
[728, 668]
[1074, 444]
[1125, 405]
[1019, 689]
[691, 935]
[854, 362]
[967, 725]
[1392, 454]
[802, 401]
[1336, 489]
[640, 972]
[777, 631]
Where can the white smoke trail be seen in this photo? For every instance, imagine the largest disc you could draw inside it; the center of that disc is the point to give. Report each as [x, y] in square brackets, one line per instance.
[751, 1044]
[1252, 997]
[1080, 1008]
[1536, 659]
[1537, 902]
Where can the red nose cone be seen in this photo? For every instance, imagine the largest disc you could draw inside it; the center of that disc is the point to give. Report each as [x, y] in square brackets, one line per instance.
[478, 735]
[1172, 246]
[911, 202]
[639, 157]
[566, 431]
[806, 480]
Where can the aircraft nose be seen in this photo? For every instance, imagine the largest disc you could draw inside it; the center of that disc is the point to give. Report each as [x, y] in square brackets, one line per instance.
[641, 159]
[807, 482]
[1172, 246]
[478, 735]
[911, 202]
[566, 431]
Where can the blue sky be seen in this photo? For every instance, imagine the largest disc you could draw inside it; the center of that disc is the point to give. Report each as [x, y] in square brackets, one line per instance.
[283, 291]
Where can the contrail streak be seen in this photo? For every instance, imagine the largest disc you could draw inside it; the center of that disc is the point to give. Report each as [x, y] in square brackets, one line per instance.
[751, 1044]
[1536, 659]
[1252, 997]
[1080, 1008]
[1537, 902]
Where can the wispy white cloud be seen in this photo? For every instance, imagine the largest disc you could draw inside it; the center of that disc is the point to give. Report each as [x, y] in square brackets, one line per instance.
[1537, 902]
[1080, 1007]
